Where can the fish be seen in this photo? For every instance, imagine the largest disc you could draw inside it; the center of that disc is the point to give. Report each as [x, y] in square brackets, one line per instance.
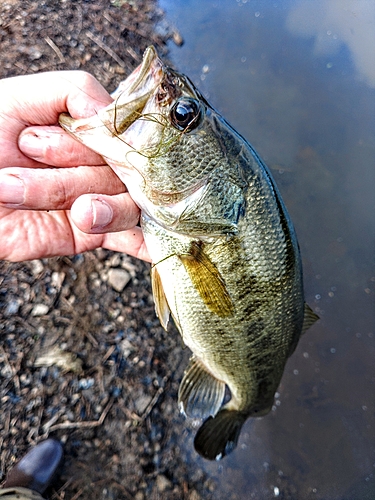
[226, 264]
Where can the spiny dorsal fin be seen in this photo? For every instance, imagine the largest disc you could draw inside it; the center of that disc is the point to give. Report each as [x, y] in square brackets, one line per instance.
[161, 304]
[200, 394]
[309, 318]
[207, 280]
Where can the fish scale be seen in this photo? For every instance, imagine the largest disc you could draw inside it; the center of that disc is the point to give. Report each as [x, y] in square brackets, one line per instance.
[225, 258]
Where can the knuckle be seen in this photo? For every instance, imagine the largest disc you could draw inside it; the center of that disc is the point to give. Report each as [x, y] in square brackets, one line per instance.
[83, 78]
[61, 194]
[88, 80]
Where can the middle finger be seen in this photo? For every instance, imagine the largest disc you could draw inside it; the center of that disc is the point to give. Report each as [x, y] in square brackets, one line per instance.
[54, 188]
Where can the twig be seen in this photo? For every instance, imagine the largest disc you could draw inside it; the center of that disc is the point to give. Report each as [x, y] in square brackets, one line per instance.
[15, 379]
[108, 353]
[131, 415]
[78, 494]
[6, 360]
[105, 47]
[152, 403]
[62, 489]
[55, 48]
[46, 427]
[5, 430]
[91, 338]
[116, 484]
[90, 423]
[132, 52]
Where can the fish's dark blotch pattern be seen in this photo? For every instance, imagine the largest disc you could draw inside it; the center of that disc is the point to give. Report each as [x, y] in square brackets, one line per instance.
[251, 309]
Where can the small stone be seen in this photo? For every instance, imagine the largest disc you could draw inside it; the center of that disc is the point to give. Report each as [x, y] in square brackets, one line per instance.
[57, 279]
[162, 483]
[39, 310]
[86, 383]
[141, 403]
[115, 260]
[118, 279]
[12, 307]
[36, 267]
[126, 348]
[194, 495]
[35, 53]
[55, 356]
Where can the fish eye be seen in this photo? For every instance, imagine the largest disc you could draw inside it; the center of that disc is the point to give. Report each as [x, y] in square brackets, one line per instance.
[186, 114]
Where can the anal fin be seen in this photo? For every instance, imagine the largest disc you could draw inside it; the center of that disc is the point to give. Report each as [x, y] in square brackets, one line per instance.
[200, 394]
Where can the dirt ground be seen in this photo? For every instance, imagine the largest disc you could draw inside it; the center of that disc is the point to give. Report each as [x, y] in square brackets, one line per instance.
[82, 355]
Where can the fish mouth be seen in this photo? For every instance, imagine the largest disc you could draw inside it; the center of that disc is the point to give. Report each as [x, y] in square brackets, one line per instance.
[129, 101]
[150, 57]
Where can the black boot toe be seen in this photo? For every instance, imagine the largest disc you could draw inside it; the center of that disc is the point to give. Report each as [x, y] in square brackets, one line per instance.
[37, 468]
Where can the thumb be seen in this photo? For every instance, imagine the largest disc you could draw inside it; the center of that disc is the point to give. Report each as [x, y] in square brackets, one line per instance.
[39, 99]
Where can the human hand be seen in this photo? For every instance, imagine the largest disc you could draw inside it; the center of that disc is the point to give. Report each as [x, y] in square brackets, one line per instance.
[45, 174]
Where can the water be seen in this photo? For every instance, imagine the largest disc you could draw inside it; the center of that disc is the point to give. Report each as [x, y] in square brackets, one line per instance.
[297, 79]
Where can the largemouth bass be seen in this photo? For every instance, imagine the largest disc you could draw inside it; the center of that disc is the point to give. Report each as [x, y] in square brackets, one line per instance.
[225, 258]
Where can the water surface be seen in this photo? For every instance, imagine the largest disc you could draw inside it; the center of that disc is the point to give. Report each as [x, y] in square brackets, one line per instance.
[297, 79]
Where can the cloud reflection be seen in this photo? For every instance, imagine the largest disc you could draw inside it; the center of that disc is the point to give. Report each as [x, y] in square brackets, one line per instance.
[334, 22]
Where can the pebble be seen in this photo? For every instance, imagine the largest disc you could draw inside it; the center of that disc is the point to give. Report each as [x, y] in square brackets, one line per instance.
[118, 279]
[36, 266]
[142, 403]
[126, 348]
[194, 495]
[86, 383]
[12, 307]
[57, 279]
[115, 260]
[39, 310]
[162, 483]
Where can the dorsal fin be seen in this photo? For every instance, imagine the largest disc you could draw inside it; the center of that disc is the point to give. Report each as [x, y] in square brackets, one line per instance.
[207, 280]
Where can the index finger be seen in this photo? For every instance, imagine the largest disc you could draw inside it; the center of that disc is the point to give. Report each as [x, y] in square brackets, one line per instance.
[52, 146]
[38, 100]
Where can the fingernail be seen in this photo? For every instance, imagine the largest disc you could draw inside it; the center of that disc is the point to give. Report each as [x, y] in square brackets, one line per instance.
[12, 190]
[101, 213]
[34, 145]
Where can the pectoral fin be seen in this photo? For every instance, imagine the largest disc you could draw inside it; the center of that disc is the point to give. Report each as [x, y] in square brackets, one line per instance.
[309, 318]
[200, 394]
[161, 304]
[207, 280]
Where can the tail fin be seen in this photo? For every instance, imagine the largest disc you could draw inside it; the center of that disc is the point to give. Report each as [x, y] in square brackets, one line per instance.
[218, 435]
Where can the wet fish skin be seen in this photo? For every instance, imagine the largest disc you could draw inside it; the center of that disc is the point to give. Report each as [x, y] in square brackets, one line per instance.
[226, 263]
